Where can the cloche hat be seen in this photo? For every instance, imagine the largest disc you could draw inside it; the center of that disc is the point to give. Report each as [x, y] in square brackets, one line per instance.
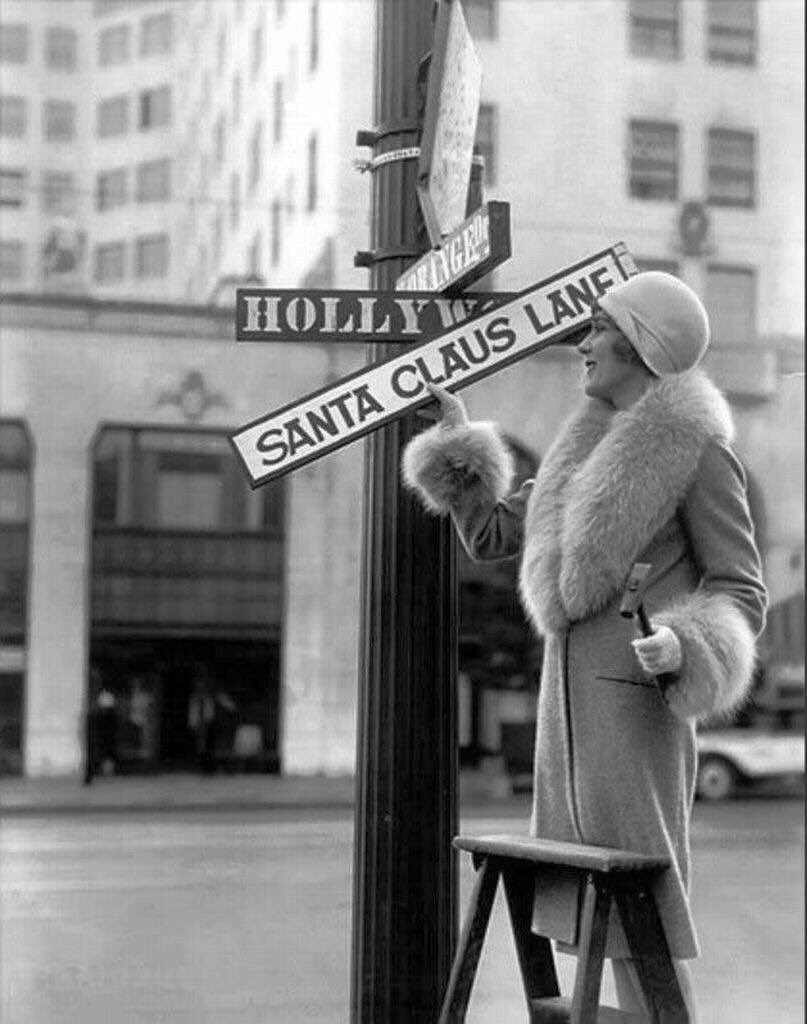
[662, 318]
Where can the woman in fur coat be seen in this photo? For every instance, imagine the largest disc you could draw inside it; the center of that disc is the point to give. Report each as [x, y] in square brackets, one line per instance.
[642, 471]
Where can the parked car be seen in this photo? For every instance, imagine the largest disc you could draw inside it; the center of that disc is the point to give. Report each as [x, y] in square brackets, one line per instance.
[730, 758]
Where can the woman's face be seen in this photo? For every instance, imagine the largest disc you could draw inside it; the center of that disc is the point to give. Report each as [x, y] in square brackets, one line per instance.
[606, 374]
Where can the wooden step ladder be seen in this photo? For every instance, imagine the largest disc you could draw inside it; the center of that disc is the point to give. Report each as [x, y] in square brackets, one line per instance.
[582, 882]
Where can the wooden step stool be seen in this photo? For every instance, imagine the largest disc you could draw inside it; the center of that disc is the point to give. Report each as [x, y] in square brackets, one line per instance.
[566, 872]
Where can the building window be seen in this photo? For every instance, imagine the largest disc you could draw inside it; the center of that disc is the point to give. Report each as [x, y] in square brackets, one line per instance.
[257, 48]
[152, 256]
[156, 35]
[255, 154]
[13, 43]
[103, 7]
[13, 116]
[655, 28]
[732, 31]
[731, 302]
[60, 49]
[218, 139]
[254, 254]
[58, 192]
[155, 107]
[12, 188]
[59, 120]
[112, 116]
[731, 168]
[12, 260]
[481, 18]
[311, 191]
[486, 140]
[218, 234]
[653, 160]
[290, 207]
[154, 181]
[221, 49]
[236, 99]
[15, 512]
[314, 37]
[162, 479]
[276, 229]
[114, 45]
[277, 111]
[15, 471]
[110, 262]
[235, 199]
[111, 189]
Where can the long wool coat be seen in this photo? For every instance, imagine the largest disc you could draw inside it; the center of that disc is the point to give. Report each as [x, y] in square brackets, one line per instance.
[615, 759]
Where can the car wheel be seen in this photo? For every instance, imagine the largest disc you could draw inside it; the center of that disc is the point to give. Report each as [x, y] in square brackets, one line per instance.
[717, 779]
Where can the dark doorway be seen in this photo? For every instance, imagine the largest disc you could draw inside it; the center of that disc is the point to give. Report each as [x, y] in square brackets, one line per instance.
[152, 681]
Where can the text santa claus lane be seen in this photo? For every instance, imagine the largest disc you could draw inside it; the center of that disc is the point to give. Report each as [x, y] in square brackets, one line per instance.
[328, 419]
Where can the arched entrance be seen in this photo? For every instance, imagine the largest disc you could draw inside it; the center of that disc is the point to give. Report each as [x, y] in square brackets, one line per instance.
[187, 582]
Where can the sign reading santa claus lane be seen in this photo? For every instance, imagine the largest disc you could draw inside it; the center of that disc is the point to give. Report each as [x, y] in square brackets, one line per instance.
[542, 315]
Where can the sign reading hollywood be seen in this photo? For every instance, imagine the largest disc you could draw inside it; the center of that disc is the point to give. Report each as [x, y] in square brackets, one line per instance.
[337, 414]
[449, 122]
[480, 243]
[272, 314]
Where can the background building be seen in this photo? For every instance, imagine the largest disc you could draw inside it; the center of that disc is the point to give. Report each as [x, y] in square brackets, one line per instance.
[152, 152]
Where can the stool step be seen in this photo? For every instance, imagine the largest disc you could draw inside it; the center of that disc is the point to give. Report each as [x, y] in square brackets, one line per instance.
[549, 851]
[558, 1010]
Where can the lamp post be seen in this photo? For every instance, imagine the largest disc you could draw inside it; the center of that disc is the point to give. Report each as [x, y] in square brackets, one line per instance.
[405, 899]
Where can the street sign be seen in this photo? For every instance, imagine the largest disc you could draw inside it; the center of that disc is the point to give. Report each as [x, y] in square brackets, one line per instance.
[449, 123]
[542, 315]
[480, 243]
[288, 315]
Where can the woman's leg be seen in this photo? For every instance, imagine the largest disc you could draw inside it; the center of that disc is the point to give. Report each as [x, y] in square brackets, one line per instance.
[629, 989]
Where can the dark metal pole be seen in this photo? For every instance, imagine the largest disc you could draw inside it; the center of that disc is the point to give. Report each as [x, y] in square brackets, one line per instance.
[405, 880]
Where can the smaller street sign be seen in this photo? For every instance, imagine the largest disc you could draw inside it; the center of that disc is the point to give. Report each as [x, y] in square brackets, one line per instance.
[542, 315]
[480, 243]
[289, 315]
[449, 123]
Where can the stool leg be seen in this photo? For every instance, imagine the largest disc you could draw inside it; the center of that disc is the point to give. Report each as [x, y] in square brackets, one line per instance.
[590, 953]
[651, 955]
[466, 959]
[535, 955]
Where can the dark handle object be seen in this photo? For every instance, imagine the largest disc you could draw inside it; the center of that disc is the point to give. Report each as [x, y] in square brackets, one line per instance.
[666, 678]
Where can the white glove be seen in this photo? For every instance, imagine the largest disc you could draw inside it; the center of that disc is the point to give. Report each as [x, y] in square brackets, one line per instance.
[452, 407]
[660, 652]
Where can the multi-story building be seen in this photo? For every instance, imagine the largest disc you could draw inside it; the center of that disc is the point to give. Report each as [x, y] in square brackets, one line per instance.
[87, 150]
[271, 99]
[216, 140]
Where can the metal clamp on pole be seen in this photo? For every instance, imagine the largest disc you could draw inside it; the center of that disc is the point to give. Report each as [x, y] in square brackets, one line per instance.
[390, 157]
[368, 258]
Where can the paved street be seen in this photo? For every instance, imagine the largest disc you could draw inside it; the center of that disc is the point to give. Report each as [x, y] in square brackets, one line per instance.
[218, 917]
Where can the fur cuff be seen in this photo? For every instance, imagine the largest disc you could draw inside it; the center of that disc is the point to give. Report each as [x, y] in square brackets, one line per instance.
[718, 655]
[444, 464]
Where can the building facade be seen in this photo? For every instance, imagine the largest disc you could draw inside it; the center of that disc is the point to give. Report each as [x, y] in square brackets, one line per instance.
[152, 152]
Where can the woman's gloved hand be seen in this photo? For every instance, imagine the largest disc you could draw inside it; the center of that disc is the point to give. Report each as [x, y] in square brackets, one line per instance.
[659, 653]
[450, 409]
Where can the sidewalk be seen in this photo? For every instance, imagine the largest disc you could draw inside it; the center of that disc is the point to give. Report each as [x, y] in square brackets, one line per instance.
[174, 791]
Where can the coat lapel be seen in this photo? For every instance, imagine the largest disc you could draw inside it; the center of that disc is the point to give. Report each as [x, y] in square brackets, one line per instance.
[606, 487]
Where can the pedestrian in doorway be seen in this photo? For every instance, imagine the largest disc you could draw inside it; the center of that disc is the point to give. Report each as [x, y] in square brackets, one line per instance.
[102, 728]
[207, 702]
[643, 470]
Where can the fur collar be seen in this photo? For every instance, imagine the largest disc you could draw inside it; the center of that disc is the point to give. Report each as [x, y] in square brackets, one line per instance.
[607, 485]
